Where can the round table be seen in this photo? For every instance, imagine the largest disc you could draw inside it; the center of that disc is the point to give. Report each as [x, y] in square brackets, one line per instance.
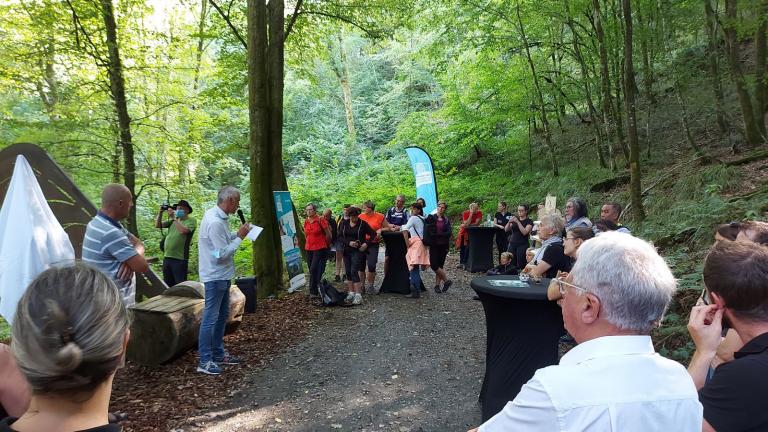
[481, 240]
[523, 333]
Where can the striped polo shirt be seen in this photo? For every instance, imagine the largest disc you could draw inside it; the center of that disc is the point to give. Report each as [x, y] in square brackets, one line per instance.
[106, 245]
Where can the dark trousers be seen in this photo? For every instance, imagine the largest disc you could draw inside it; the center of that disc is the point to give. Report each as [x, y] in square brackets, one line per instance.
[317, 260]
[518, 250]
[174, 271]
[501, 243]
[463, 254]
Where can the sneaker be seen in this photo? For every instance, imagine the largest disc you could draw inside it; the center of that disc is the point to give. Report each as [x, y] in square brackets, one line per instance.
[209, 368]
[447, 284]
[337, 278]
[229, 359]
[358, 299]
[437, 289]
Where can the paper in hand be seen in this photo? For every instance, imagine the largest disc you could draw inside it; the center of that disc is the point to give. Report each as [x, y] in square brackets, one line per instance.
[253, 234]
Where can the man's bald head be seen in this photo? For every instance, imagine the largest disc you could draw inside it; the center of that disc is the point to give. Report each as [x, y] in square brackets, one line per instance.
[116, 201]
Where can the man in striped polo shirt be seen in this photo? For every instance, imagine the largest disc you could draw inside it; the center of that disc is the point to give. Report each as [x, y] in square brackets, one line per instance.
[109, 247]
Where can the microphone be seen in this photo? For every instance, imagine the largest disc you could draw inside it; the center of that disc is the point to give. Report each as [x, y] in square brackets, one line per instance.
[240, 215]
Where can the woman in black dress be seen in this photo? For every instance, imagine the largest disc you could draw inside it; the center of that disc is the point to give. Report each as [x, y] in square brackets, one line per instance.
[519, 230]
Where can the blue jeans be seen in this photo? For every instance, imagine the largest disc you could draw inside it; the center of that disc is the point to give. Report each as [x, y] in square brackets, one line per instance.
[415, 278]
[210, 343]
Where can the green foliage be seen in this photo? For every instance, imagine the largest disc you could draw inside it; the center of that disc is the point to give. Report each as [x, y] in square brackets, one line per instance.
[5, 330]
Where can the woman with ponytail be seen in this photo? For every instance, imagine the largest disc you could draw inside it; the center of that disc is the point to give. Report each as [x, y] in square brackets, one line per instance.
[69, 337]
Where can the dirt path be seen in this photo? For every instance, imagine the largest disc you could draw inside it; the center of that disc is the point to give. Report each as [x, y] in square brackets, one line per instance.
[391, 364]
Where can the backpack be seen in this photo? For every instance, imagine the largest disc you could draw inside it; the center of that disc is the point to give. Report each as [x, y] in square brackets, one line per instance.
[329, 295]
[430, 231]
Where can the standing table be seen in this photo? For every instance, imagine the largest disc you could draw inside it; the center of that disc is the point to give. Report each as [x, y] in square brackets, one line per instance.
[396, 279]
[481, 241]
[523, 333]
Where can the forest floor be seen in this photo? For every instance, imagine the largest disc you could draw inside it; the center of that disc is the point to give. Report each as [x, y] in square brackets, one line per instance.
[391, 364]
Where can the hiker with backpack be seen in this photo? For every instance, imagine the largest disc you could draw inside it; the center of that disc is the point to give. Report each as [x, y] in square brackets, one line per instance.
[437, 236]
[353, 233]
[417, 255]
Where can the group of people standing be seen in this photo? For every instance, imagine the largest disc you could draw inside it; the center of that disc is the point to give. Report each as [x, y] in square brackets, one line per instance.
[355, 237]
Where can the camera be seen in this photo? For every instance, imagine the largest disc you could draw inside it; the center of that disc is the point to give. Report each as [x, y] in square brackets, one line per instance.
[165, 206]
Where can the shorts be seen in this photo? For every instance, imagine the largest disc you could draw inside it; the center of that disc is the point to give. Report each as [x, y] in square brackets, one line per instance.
[372, 257]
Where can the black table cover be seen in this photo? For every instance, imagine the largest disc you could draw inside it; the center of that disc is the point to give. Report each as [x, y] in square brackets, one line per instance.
[396, 280]
[481, 240]
[523, 332]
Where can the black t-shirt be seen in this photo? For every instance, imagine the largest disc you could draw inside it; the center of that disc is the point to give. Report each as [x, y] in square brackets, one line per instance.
[516, 237]
[555, 256]
[5, 426]
[736, 397]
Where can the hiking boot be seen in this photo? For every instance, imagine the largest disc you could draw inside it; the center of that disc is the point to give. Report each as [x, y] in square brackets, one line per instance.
[229, 359]
[210, 368]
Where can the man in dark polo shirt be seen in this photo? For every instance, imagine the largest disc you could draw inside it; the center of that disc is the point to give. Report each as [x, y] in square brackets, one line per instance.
[736, 296]
[181, 226]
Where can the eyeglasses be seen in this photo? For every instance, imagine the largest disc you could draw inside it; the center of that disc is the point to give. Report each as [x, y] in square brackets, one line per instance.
[570, 238]
[561, 284]
[705, 297]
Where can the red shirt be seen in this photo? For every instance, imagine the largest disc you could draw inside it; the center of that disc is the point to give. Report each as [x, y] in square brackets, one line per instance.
[463, 238]
[374, 220]
[314, 230]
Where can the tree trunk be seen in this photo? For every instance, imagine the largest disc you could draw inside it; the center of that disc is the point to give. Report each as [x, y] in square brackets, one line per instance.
[605, 80]
[117, 91]
[539, 96]
[585, 83]
[647, 65]
[684, 120]
[275, 85]
[265, 255]
[714, 68]
[629, 104]
[183, 156]
[751, 131]
[342, 73]
[761, 78]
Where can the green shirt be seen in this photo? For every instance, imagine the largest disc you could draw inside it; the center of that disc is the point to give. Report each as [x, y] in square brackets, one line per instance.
[175, 241]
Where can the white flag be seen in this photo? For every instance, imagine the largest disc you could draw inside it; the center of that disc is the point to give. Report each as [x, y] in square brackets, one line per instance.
[31, 239]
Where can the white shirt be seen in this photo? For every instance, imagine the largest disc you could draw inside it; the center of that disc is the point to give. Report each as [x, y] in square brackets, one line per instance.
[217, 246]
[612, 383]
[415, 226]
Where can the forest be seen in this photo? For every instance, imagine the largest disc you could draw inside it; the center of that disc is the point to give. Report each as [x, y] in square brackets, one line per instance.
[657, 104]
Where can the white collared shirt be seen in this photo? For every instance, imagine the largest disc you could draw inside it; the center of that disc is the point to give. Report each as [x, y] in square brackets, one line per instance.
[612, 383]
[216, 246]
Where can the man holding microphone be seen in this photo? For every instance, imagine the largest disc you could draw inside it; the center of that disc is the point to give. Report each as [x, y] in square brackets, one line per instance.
[217, 247]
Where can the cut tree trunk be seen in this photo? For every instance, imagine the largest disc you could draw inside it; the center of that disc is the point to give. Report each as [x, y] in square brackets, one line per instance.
[166, 326]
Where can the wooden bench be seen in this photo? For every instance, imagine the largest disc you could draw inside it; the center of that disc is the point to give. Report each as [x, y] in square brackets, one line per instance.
[166, 326]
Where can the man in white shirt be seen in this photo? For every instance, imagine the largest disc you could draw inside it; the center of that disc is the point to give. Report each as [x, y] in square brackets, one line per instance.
[216, 250]
[613, 380]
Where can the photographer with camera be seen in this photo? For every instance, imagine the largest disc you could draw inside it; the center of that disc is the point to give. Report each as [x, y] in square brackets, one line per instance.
[175, 245]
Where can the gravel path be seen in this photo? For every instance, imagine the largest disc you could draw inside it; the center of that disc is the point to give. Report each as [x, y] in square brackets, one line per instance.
[391, 364]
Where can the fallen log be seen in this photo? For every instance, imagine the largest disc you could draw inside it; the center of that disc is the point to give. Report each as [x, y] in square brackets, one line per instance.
[167, 325]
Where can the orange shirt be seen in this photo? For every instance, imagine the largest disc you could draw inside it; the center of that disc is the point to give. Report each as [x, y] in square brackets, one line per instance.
[374, 220]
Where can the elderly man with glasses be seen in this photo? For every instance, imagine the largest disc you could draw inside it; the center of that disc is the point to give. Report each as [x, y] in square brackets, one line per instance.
[613, 380]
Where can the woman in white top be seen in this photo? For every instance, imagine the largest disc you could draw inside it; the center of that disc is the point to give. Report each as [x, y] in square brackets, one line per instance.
[417, 254]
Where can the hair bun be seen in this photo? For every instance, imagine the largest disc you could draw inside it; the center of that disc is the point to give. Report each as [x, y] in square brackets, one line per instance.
[69, 357]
